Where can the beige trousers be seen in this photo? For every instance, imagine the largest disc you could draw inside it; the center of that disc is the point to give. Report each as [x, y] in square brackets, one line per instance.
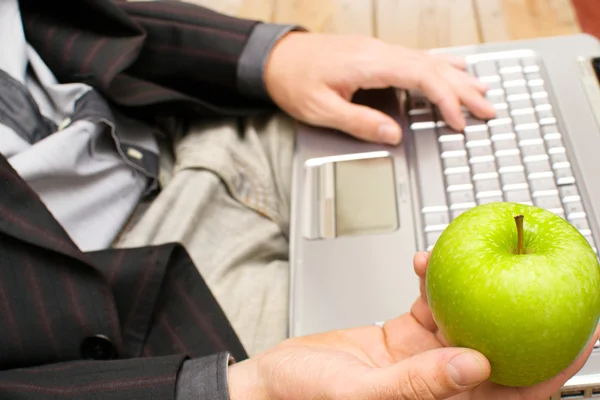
[226, 198]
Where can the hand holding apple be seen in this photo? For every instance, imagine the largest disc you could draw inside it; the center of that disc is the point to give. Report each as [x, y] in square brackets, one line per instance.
[406, 359]
[523, 291]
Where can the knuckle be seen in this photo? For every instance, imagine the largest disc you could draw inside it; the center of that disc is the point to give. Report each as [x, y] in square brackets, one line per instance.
[417, 388]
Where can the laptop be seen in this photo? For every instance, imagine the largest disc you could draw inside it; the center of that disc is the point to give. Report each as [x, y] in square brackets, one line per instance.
[360, 211]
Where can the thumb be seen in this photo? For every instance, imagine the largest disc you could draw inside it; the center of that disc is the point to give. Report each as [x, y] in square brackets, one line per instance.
[433, 375]
[357, 120]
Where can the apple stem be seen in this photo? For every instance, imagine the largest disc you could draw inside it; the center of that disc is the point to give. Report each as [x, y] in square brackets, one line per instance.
[519, 221]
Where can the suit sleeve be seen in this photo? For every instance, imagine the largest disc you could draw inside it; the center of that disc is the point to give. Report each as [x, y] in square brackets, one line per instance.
[157, 378]
[169, 57]
[139, 378]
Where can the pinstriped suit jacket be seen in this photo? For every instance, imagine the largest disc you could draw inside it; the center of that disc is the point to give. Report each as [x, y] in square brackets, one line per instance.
[114, 324]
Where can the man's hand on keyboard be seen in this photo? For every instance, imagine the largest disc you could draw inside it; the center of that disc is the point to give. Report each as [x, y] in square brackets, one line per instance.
[314, 76]
[406, 358]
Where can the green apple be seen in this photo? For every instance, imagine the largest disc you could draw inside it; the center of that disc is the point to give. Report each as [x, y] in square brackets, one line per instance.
[523, 291]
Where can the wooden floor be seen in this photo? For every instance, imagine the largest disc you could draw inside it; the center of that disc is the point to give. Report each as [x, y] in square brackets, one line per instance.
[415, 23]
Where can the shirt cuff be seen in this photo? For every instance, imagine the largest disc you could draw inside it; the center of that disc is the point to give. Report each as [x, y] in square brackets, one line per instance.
[204, 378]
[251, 66]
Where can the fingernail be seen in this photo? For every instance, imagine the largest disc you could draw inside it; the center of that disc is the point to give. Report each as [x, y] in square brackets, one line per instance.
[466, 369]
[389, 133]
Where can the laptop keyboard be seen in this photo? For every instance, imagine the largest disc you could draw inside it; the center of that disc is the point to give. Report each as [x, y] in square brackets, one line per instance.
[519, 156]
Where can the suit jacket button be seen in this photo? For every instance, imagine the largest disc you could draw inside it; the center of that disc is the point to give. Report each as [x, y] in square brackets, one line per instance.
[98, 347]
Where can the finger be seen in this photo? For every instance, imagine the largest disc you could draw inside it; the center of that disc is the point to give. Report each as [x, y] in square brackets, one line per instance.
[420, 260]
[476, 103]
[470, 94]
[453, 60]
[431, 375]
[440, 93]
[481, 87]
[548, 388]
[357, 120]
[422, 314]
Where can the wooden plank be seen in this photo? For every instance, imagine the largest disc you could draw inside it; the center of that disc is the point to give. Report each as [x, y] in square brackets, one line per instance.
[427, 23]
[261, 10]
[311, 14]
[491, 20]
[352, 17]
[338, 16]
[230, 7]
[523, 19]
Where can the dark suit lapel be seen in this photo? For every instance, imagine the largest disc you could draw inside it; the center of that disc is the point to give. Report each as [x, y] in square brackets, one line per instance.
[24, 216]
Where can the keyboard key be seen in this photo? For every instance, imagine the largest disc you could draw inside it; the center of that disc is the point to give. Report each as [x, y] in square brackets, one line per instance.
[502, 113]
[487, 185]
[540, 98]
[558, 158]
[515, 89]
[455, 162]
[547, 120]
[461, 197]
[538, 166]
[515, 186]
[509, 62]
[564, 176]
[478, 143]
[475, 135]
[486, 68]
[480, 151]
[531, 142]
[530, 159]
[533, 76]
[569, 193]
[551, 203]
[431, 238]
[500, 129]
[483, 168]
[509, 143]
[518, 196]
[520, 103]
[528, 132]
[513, 76]
[535, 83]
[436, 219]
[511, 169]
[542, 185]
[543, 193]
[454, 145]
[530, 69]
[574, 210]
[554, 143]
[495, 96]
[455, 213]
[524, 119]
[581, 224]
[533, 150]
[510, 70]
[508, 161]
[458, 179]
[550, 130]
[491, 199]
[513, 178]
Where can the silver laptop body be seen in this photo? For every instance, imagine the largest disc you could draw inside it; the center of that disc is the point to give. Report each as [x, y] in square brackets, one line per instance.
[360, 211]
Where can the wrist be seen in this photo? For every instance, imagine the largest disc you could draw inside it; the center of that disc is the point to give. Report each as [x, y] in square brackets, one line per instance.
[244, 382]
[274, 69]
